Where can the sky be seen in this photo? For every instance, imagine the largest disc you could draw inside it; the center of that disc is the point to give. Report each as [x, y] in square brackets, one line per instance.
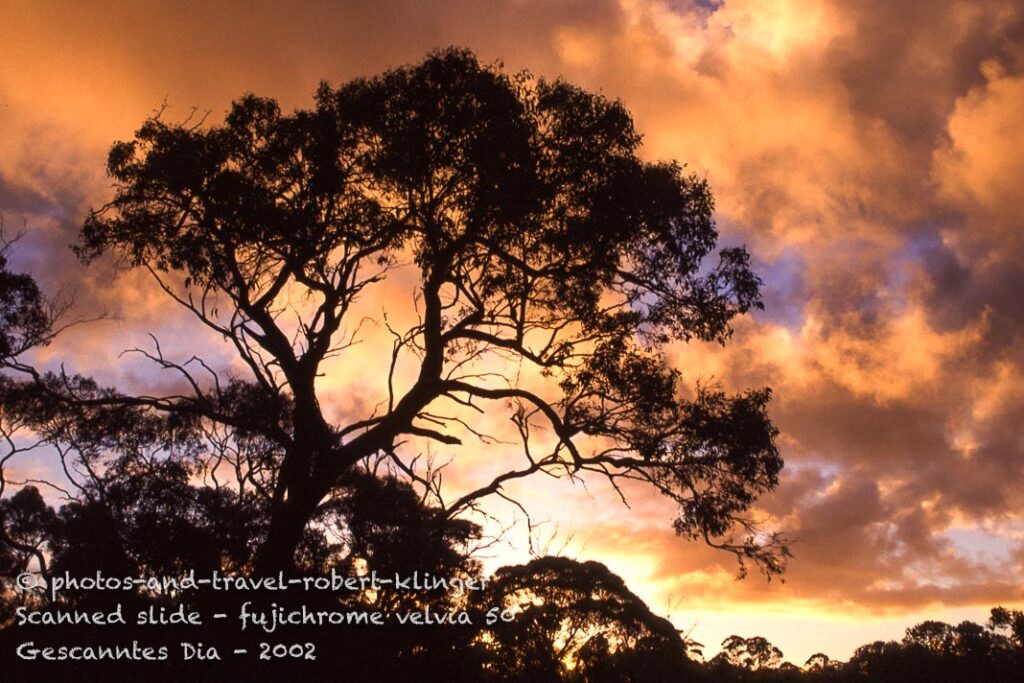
[869, 155]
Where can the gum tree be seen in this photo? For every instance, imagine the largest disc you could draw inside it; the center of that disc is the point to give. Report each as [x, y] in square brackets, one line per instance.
[536, 236]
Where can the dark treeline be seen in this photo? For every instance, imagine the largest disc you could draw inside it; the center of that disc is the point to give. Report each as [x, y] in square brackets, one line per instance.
[565, 621]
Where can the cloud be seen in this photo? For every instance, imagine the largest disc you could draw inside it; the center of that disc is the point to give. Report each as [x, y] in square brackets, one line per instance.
[978, 165]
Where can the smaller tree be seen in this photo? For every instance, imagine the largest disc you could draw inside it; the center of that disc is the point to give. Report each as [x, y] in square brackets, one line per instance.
[1010, 621]
[571, 617]
[26, 317]
[753, 654]
[26, 522]
[819, 662]
[934, 636]
[27, 320]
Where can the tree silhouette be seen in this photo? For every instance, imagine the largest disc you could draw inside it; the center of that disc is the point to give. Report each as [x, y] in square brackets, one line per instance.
[536, 238]
[820, 662]
[1010, 620]
[26, 317]
[753, 654]
[27, 320]
[574, 621]
[25, 521]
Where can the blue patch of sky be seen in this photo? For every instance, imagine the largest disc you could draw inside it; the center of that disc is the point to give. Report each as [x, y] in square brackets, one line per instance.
[697, 9]
[705, 5]
[916, 251]
[36, 467]
[980, 545]
[783, 291]
[827, 468]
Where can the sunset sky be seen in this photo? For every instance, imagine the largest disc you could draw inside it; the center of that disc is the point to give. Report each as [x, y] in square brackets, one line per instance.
[869, 154]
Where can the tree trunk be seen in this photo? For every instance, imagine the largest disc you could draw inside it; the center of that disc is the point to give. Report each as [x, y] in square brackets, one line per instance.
[277, 552]
[298, 473]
